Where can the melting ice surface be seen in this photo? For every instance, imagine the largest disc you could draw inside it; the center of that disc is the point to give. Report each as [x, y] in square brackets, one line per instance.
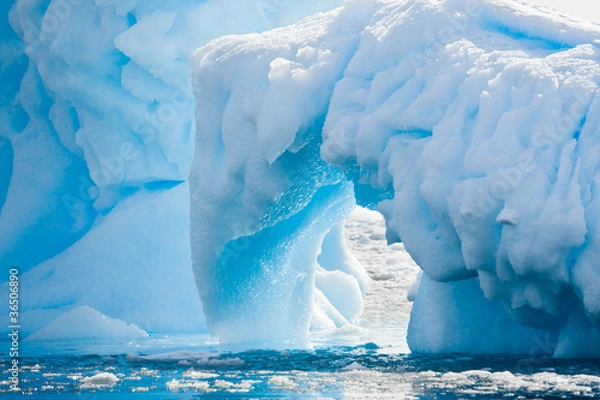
[471, 126]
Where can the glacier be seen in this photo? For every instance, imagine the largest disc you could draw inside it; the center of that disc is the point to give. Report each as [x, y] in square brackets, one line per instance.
[471, 126]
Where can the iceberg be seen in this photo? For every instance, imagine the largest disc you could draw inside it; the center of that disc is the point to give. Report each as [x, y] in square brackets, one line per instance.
[143, 197]
[471, 126]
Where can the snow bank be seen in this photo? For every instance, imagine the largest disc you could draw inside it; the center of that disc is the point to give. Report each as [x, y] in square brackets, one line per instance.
[473, 127]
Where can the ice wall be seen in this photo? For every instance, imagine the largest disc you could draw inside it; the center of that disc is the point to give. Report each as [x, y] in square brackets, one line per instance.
[97, 117]
[472, 126]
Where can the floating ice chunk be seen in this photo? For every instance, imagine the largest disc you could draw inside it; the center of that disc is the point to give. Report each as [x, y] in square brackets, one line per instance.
[281, 382]
[354, 366]
[177, 385]
[100, 380]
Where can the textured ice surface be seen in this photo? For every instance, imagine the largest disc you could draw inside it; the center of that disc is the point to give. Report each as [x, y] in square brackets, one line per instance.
[472, 127]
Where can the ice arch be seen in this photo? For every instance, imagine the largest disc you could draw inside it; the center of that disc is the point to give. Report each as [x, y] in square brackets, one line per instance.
[472, 126]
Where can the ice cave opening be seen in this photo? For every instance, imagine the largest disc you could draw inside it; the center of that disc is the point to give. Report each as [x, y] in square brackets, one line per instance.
[392, 282]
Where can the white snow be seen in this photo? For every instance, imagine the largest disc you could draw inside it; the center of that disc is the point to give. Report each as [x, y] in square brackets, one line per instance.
[193, 374]
[578, 8]
[177, 385]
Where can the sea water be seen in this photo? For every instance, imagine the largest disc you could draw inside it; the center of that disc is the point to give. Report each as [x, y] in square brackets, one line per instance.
[187, 366]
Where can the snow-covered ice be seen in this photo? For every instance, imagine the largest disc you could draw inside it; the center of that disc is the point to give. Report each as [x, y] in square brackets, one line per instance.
[471, 127]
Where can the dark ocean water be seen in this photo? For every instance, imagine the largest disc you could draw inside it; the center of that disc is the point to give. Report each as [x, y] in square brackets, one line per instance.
[187, 367]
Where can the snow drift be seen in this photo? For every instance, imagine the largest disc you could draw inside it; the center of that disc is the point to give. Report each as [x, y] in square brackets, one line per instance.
[472, 126]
